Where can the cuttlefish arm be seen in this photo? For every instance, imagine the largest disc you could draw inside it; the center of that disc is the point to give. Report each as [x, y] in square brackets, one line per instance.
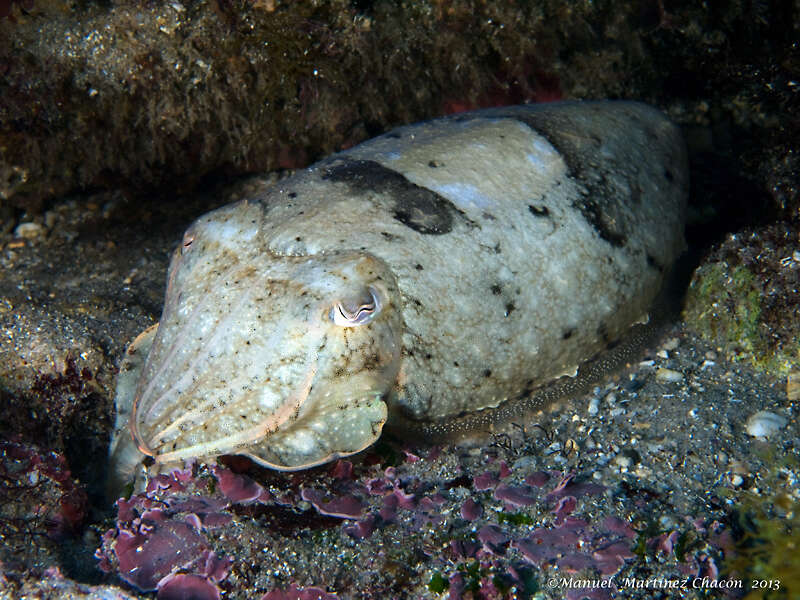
[124, 451]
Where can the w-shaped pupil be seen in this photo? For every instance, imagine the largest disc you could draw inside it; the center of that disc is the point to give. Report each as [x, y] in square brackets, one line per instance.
[356, 310]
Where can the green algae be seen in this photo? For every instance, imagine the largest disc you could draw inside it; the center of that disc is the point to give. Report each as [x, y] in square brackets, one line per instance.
[766, 553]
[727, 306]
[438, 584]
[515, 518]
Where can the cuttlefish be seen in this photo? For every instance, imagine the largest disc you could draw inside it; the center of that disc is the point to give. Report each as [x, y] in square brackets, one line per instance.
[434, 277]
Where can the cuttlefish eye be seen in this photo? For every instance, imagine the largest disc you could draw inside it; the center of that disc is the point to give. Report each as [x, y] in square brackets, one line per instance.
[356, 310]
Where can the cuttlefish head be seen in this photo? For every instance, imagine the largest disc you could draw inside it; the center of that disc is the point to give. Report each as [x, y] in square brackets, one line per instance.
[285, 359]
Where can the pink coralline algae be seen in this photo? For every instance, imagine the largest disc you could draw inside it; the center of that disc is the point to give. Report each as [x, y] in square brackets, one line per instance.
[485, 481]
[569, 487]
[573, 547]
[494, 539]
[160, 540]
[471, 510]
[38, 489]
[154, 547]
[564, 507]
[239, 488]
[483, 534]
[569, 544]
[538, 479]
[347, 507]
[187, 587]
[514, 496]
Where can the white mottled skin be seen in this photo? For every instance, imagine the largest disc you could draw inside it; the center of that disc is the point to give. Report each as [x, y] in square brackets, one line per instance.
[515, 290]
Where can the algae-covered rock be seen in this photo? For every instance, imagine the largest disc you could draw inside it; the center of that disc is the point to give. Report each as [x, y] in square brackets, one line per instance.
[744, 298]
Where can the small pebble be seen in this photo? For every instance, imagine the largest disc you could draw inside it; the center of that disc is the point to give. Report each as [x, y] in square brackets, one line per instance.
[736, 480]
[50, 219]
[668, 375]
[793, 386]
[622, 461]
[739, 467]
[594, 406]
[29, 231]
[524, 463]
[554, 447]
[671, 344]
[667, 522]
[764, 424]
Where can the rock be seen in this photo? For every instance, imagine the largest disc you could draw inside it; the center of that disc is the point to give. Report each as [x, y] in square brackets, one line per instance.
[29, 231]
[668, 375]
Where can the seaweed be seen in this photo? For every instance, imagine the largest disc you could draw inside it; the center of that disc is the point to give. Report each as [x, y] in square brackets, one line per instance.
[766, 553]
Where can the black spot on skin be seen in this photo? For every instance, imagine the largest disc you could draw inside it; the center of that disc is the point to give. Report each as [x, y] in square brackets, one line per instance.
[433, 164]
[389, 236]
[496, 289]
[653, 263]
[611, 197]
[487, 373]
[509, 308]
[605, 225]
[418, 267]
[489, 216]
[539, 211]
[668, 175]
[567, 334]
[416, 207]
[292, 194]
